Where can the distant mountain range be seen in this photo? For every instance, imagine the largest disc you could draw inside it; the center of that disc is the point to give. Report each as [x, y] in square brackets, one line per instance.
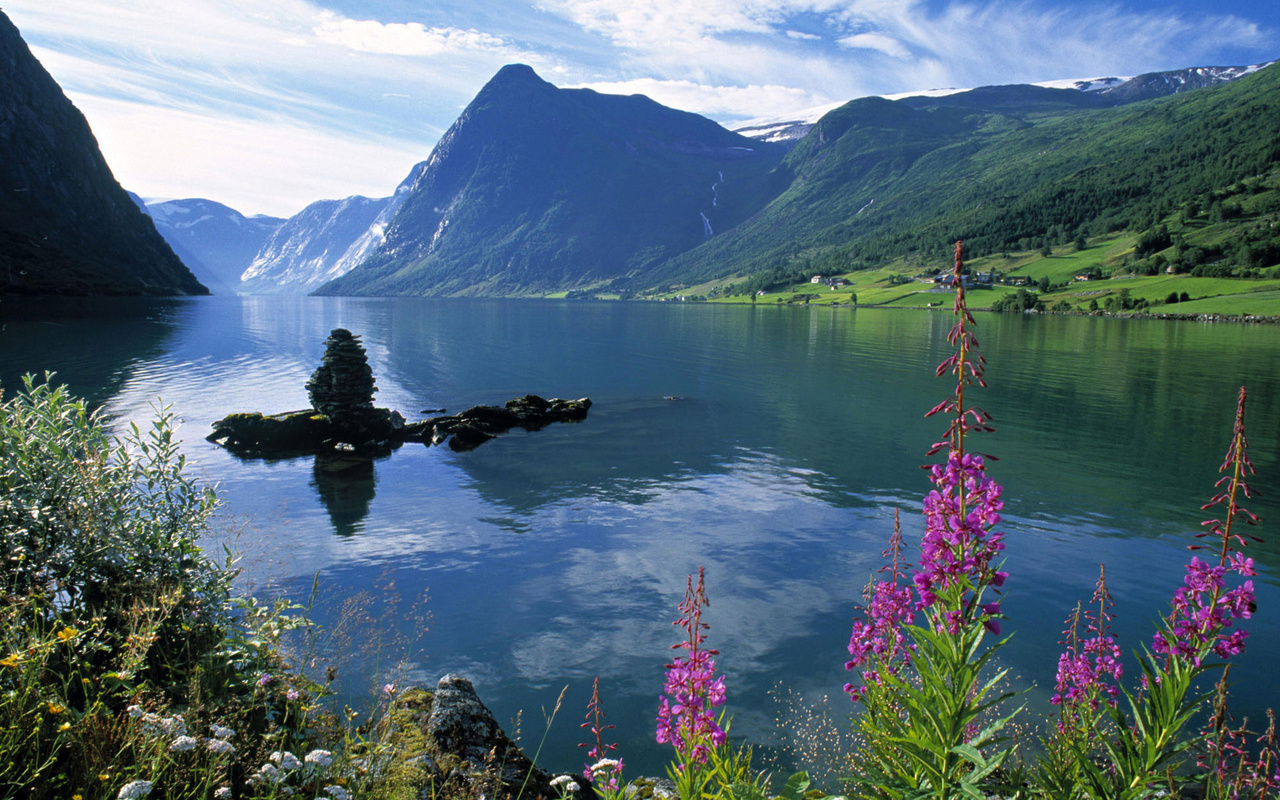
[66, 226]
[1109, 91]
[214, 241]
[539, 190]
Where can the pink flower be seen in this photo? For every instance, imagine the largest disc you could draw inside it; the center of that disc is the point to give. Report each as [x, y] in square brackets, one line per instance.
[685, 716]
[1203, 607]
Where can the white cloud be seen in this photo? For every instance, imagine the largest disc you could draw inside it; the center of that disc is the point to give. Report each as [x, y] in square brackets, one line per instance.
[255, 166]
[875, 41]
[264, 105]
[900, 45]
[382, 88]
[401, 39]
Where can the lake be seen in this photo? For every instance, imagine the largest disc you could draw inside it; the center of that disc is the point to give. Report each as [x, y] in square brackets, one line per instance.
[769, 444]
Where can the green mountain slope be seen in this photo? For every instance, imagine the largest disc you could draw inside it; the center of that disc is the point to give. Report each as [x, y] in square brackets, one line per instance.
[1003, 168]
[537, 189]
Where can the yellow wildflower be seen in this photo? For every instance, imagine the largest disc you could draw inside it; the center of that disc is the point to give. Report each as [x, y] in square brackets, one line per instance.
[106, 776]
[67, 634]
[77, 797]
[12, 661]
[54, 708]
[66, 726]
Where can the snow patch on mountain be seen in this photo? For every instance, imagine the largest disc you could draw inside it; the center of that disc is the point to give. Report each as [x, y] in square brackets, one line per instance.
[215, 242]
[790, 128]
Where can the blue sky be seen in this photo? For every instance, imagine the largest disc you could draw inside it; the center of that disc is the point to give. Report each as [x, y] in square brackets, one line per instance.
[267, 105]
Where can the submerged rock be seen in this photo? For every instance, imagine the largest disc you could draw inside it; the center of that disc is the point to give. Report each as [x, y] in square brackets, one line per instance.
[477, 425]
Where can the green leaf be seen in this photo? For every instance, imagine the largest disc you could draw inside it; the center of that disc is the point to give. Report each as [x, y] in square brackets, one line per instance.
[795, 787]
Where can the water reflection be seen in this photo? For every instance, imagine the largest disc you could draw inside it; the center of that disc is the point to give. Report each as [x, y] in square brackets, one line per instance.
[93, 344]
[346, 485]
[557, 556]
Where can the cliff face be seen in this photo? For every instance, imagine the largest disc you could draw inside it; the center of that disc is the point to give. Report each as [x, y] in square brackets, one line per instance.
[66, 225]
[538, 189]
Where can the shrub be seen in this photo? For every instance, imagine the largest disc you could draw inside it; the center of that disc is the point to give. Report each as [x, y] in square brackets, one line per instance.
[127, 666]
[95, 527]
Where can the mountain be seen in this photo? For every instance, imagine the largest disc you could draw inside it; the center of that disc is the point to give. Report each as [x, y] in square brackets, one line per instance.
[538, 189]
[1000, 167]
[321, 242]
[1108, 91]
[66, 226]
[216, 242]
[1163, 84]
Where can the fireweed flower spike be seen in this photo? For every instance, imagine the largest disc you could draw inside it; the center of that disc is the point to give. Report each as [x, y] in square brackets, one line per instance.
[685, 717]
[879, 636]
[604, 773]
[1203, 607]
[959, 544]
[1089, 671]
[1200, 625]
[928, 705]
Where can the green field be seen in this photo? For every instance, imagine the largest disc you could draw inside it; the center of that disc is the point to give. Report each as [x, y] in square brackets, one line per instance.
[876, 287]
[1206, 236]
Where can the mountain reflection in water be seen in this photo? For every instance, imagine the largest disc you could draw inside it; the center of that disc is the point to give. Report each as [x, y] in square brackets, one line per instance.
[554, 557]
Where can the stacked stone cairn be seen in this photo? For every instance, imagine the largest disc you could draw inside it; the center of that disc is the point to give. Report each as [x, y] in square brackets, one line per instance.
[342, 387]
[342, 418]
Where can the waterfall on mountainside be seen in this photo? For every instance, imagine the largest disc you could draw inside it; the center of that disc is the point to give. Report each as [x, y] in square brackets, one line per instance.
[706, 225]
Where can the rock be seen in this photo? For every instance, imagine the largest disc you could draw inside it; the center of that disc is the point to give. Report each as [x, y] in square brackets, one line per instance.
[343, 383]
[478, 424]
[465, 438]
[281, 435]
[650, 789]
[367, 432]
[345, 419]
[449, 745]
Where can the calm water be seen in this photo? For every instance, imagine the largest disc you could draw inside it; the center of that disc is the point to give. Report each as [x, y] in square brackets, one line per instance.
[552, 557]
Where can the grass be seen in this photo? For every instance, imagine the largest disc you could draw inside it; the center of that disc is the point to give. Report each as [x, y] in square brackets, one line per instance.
[875, 288]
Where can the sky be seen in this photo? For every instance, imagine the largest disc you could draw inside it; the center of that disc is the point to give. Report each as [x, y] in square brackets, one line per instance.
[268, 105]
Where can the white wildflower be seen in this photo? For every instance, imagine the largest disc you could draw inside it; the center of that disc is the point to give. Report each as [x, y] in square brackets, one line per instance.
[182, 744]
[220, 732]
[285, 759]
[173, 726]
[338, 793]
[135, 711]
[267, 773]
[223, 793]
[134, 790]
[321, 758]
[219, 746]
[603, 764]
[565, 783]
